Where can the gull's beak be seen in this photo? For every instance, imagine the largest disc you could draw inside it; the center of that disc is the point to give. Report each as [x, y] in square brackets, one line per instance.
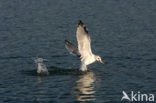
[101, 62]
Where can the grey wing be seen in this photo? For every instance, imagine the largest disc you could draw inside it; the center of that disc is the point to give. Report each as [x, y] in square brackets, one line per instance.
[72, 48]
[84, 41]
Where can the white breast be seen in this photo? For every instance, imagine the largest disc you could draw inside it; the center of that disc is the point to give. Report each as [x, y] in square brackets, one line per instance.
[42, 69]
[89, 60]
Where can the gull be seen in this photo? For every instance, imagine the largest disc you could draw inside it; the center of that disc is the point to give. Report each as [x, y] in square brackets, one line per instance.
[41, 67]
[84, 47]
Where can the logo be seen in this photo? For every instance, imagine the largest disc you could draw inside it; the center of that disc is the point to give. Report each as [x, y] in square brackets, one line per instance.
[137, 96]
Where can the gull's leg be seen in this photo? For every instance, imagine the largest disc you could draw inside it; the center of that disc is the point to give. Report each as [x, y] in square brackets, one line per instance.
[83, 67]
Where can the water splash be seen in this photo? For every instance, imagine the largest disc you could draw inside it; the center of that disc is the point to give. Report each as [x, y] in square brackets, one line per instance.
[41, 67]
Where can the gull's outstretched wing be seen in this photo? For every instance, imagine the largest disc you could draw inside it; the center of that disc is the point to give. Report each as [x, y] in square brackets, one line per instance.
[72, 48]
[84, 41]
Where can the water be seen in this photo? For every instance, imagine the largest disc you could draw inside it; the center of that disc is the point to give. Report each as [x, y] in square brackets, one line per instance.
[122, 33]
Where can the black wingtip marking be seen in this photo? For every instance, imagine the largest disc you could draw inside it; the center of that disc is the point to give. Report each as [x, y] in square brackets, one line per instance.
[66, 42]
[82, 24]
[85, 29]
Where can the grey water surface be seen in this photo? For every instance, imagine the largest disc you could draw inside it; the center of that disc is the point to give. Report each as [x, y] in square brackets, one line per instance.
[123, 33]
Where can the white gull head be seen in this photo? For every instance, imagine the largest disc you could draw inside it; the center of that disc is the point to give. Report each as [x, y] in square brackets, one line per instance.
[98, 58]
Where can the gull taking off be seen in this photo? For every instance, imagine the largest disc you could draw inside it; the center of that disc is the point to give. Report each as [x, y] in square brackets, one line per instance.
[41, 67]
[84, 47]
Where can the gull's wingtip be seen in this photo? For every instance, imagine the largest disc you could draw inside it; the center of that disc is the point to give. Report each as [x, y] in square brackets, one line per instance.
[82, 24]
[66, 42]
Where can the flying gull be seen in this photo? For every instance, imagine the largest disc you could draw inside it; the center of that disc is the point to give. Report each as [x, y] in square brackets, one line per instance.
[84, 47]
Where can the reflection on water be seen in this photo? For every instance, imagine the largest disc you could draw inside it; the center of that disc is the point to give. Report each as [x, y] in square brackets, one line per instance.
[85, 88]
[39, 79]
